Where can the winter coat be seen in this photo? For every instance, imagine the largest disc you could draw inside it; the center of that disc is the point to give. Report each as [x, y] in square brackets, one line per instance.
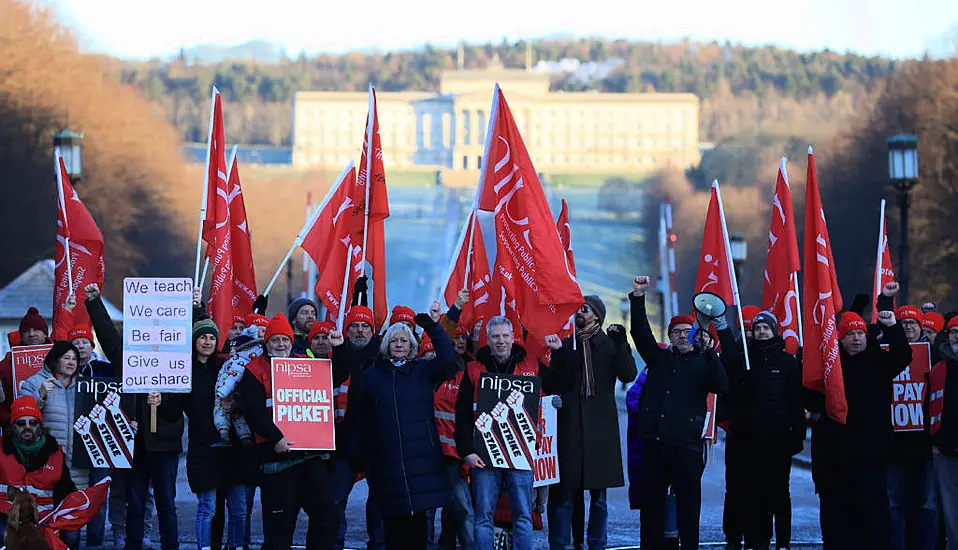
[59, 414]
[394, 434]
[946, 438]
[589, 448]
[764, 403]
[677, 387]
[634, 440]
[867, 432]
[168, 437]
[64, 485]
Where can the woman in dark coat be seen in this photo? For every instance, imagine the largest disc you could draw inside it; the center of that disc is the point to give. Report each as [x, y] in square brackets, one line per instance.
[395, 440]
[209, 468]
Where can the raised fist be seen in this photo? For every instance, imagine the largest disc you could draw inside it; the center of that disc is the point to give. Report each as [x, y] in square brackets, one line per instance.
[891, 289]
[462, 298]
[71, 302]
[641, 285]
[553, 342]
[886, 318]
[434, 311]
[616, 334]
[336, 338]
[92, 291]
[425, 321]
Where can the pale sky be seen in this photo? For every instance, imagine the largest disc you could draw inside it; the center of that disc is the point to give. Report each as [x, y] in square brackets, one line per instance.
[138, 29]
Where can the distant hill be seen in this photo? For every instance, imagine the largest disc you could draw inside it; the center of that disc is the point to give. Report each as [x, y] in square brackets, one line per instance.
[254, 50]
[744, 89]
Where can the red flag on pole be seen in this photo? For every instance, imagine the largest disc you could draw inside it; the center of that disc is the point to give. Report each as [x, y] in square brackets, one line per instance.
[217, 225]
[884, 272]
[78, 255]
[565, 235]
[715, 266]
[328, 241]
[779, 294]
[74, 511]
[217, 175]
[244, 275]
[822, 366]
[530, 260]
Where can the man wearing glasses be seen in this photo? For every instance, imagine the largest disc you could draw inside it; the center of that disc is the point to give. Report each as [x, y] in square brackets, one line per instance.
[32, 461]
[670, 420]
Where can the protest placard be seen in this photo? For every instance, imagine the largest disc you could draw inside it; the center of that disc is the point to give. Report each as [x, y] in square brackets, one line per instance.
[908, 391]
[507, 410]
[157, 324]
[546, 470]
[102, 395]
[27, 361]
[708, 430]
[303, 402]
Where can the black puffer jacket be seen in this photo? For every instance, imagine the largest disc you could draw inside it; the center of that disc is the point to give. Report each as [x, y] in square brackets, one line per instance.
[764, 403]
[867, 432]
[674, 397]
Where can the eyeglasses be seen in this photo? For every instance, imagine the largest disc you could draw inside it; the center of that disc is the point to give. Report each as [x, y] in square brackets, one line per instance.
[683, 333]
[24, 423]
[585, 309]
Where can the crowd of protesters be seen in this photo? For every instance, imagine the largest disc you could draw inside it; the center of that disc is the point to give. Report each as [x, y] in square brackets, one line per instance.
[404, 407]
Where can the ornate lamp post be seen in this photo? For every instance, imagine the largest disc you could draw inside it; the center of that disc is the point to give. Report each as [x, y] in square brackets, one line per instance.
[903, 175]
[69, 145]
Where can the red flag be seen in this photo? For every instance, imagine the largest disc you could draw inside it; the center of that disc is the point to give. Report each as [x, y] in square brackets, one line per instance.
[328, 242]
[74, 511]
[530, 260]
[715, 265]
[85, 263]
[884, 272]
[822, 366]
[781, 264]
[565, 235]
[372, 208]
[244, 275]
[220, 253]
[216, 174]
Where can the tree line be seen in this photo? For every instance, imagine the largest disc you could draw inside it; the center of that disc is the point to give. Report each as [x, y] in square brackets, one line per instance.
[760, 84]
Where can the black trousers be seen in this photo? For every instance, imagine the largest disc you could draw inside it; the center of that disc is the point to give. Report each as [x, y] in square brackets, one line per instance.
[664, 465]
[306, 487]
[737, 483]
[406, 532]
[854, 504]
[769, 497]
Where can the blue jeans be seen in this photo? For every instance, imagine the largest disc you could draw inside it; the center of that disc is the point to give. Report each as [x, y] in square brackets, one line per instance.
[458, 519]
[236, 499]
[161, 469]
[913, 501]
[95, 529]
[560, 518]
[343, 478]
[248, 534]
[486, 483]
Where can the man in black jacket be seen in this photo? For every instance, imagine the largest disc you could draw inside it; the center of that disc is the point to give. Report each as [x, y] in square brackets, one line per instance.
[766, 426]
[849, 460]
[943, 422]
[672, 420]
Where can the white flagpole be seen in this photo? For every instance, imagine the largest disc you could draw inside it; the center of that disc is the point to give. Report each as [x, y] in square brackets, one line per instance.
[345, 294]
[728, 259]
[370, 126]
[876, 292]
[206, 183]
[307, 226]
[798, 310]
[63, 206]
[466, 231]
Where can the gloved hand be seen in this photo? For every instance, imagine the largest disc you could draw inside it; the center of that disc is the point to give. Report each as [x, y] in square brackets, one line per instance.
[362, 284]
[721, 323]
[425, 321]
[557, 401]
[260, 304]
[617, 334]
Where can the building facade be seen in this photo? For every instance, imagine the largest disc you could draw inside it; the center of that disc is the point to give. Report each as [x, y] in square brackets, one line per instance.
[565, 132]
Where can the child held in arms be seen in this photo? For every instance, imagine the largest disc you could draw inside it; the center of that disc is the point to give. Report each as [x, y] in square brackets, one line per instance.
[243, 349]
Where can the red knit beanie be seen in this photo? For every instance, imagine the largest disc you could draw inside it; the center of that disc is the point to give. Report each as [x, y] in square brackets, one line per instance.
[33, 319]
[359, 314]
[850, 321]
[462, 330]
[278, 326]
[256, 319]
[749, 313]
[953, 323]
[402, 314]
[933, 320]
[427, 345]
[909, 312]
[681, 320]
[24, 405]
[237, 318]
[320, 327]
[80, 331]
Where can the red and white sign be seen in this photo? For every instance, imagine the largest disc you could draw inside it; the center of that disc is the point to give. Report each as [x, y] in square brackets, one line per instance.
[27, 361]
[908, 395]
[303, 402]
[546, 460]
[708, 431]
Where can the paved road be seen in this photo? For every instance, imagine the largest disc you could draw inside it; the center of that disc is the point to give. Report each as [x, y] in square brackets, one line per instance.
[623, 522]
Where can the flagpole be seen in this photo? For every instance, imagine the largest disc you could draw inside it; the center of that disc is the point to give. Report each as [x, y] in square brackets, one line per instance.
[345, 294]
[307, 226]
[466, 230]
[798, 310]
[206, 267]
[58, 160]
[370, 120]
[206, 183]
[728, 259]
[876, 290]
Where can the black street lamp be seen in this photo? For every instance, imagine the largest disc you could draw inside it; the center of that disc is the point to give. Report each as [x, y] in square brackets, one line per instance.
[739, 250]
[69, 145]
[903, 175]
